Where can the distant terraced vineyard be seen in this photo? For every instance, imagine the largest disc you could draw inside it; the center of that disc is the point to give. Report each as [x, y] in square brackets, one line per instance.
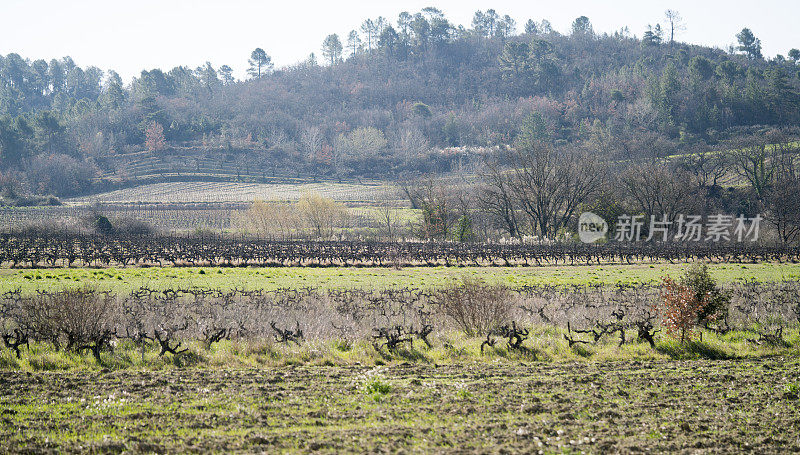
[189, 162]
[224, 192]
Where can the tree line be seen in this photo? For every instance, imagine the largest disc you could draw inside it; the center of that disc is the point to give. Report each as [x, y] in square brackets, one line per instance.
[538, 188]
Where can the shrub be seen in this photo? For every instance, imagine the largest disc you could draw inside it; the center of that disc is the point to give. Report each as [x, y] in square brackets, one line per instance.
[30, 201]
[421, 110]
[102, 225]
[77, 318]
[699, 280]
[60, 174]
[681, 309]
[474, 306]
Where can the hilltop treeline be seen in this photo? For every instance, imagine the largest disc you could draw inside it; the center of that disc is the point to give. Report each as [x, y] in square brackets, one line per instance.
[411, 95]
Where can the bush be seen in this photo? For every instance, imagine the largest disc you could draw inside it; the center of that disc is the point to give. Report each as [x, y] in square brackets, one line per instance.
[698, 279]
[474, 306]
[102, 225]
[74, 318]
[693, 301]
[681, 309]
[422, 110]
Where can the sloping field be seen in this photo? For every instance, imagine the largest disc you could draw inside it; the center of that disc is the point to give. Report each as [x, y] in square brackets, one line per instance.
[221, 192]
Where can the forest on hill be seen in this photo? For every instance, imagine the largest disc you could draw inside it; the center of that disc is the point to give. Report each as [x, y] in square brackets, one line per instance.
[395, 98]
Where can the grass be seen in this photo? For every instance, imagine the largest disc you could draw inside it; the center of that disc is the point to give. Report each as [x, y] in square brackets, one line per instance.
[335, 397]
[546, 344]
[654, 406]
[126, 279]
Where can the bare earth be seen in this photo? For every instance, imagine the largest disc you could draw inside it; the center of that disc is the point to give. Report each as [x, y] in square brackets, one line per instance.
[693, 406]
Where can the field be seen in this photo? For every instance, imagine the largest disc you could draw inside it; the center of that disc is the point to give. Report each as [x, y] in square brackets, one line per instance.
[582, 379]
[481, 234]
[161, 217]
[270, 279]
[213, 206]
[633, 406]
[221, 192]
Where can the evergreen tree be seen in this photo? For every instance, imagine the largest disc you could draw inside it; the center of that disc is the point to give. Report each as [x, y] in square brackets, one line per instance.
[749, 44]
[260, 63]
[332, 49]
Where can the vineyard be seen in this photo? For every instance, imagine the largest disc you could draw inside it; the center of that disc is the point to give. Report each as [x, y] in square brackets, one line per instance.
[546, 366]
[162, 217]
[178, 218]
[537, 322]
[182, 207]
[228, 192]
[36, 250]
[188, 160]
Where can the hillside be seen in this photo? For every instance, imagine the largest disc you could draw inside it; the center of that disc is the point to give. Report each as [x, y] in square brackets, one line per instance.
[422, 95]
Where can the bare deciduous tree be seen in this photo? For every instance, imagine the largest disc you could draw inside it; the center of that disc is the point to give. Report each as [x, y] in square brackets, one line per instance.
[311, 139]
[497, 200]
[437, 206]
[657, 190]
[389, 212]
[321, 214]
[411, 142]
[706, 166]
[676, 24]
[754, 161]
[764, 159]
[271, 219]
[550, 184]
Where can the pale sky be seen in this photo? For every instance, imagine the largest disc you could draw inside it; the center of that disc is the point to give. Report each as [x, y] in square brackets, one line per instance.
[144, 34]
